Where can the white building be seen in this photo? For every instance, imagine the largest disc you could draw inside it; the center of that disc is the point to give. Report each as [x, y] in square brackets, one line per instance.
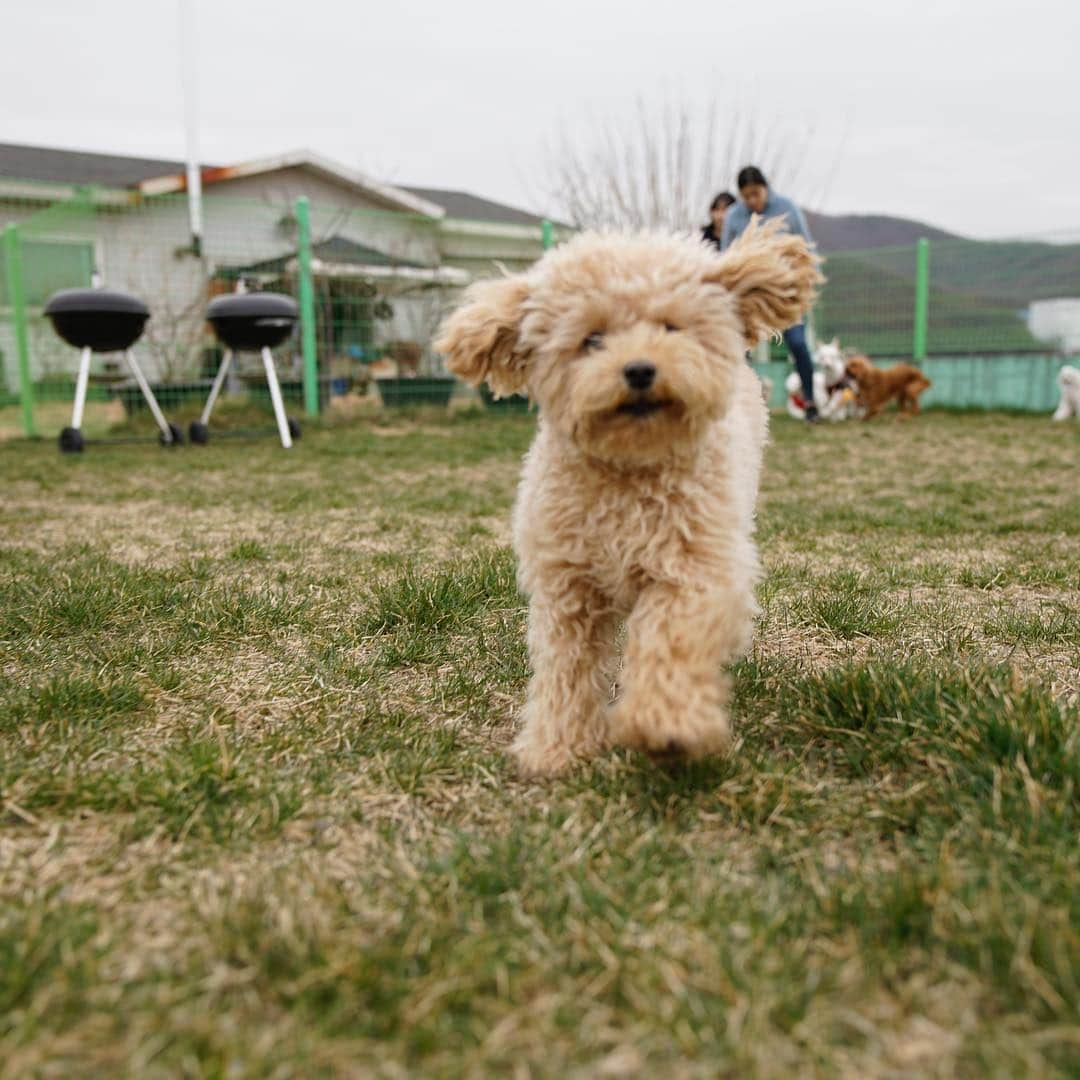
[387, 259]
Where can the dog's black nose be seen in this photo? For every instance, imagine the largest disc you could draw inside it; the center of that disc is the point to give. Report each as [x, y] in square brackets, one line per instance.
[639, 374]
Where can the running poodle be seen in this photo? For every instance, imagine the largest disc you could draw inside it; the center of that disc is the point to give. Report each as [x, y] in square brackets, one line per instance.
[637, 498]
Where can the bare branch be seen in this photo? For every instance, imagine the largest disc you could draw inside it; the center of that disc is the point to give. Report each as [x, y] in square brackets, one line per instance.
[660, 167]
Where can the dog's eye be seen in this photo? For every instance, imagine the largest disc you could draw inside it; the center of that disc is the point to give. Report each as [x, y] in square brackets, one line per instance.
[593, 341]
[671, 328]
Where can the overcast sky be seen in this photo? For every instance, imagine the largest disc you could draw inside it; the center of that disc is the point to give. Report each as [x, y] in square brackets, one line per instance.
[963, 114]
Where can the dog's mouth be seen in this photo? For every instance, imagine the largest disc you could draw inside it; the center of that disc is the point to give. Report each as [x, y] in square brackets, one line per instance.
[642, 407]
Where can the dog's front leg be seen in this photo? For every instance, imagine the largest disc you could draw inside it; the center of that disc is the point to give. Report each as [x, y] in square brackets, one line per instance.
[571, 641]
[675, 688]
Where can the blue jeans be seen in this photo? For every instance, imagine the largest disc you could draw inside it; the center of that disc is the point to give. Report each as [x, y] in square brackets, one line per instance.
[795, 340]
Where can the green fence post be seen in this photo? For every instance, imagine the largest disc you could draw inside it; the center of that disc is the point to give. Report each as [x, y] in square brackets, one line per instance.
[307, 308]
[922, 299]
[547, 234]
[17, 302]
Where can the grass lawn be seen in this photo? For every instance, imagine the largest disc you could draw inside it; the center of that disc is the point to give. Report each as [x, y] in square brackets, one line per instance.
[257, 819]
[98, 418]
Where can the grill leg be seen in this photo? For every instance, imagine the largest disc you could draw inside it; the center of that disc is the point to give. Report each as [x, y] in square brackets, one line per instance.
[151, 401]
[275, 397]
[219, 382]
[80, 389]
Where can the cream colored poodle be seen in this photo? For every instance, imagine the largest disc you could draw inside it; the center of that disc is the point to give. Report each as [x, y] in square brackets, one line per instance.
[637, 497]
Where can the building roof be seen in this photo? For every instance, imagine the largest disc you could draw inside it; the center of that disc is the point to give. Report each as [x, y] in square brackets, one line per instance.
[342, 250]
[79, 166]
[398, 198]
[337, 249]
[462, 204]
[155, 176]
[341, 257]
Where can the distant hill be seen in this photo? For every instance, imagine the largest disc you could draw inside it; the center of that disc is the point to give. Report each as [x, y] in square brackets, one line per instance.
[1013, 273]
[1010, 272]
[856, 232]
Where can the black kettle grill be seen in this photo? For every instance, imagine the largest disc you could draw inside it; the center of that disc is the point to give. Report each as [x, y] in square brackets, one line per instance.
[101, 321]
[250, 322]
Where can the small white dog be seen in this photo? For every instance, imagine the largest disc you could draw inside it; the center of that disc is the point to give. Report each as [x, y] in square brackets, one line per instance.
[1069, 383]
[840, 388]
[834, 390]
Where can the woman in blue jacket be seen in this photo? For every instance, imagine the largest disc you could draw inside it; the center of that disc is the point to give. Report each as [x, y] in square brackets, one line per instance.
[758, 200]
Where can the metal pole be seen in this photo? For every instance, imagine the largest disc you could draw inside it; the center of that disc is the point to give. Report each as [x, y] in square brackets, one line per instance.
[275, 397]
[922, 299]
[547, 234]
[191, 122]
[219, 380]
[307, 307]
[80, 389]
[151, 401]
[17, 302]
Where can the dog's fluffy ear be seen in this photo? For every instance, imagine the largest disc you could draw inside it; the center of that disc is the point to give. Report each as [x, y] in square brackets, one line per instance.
[773, 276]
[480, 339]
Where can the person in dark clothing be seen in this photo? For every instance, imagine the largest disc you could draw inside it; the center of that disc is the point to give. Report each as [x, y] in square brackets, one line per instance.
[714, 231]
[759, 201]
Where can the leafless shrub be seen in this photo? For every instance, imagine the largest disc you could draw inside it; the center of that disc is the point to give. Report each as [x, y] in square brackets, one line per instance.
[660, 167]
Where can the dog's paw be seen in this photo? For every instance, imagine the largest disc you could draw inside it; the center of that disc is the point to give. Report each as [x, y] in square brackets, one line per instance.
[533, 761]
[538, 760]
[695, 734]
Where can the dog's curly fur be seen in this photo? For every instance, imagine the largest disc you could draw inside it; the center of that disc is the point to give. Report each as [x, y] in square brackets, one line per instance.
[634, 504]
[878, 386]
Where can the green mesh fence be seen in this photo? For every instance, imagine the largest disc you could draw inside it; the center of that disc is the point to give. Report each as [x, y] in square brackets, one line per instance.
[1020, 383]
[1001, 317]
[380, 282]
[984, 297]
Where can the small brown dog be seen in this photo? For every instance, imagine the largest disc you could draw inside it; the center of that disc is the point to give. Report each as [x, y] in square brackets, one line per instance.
[878, 386]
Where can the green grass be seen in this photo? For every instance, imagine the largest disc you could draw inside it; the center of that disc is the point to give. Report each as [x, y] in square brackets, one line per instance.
[849, 606]
[256, 816]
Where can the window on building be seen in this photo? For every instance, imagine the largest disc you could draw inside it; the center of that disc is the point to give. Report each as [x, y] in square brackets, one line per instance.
[49, 265]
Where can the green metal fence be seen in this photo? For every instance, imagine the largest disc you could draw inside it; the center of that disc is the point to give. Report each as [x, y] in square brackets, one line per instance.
[372, 286]
[1009, 383]
[991, 322]
[952, 298]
